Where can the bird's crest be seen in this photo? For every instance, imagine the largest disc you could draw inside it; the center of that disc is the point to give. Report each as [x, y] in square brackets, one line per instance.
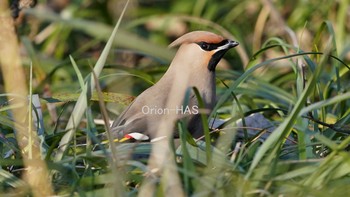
[197, 36]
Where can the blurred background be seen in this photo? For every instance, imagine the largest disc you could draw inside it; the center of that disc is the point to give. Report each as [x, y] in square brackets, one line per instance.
[273, 36]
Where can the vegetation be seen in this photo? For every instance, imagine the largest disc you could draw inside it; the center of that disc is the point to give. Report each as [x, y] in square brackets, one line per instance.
[291, 66]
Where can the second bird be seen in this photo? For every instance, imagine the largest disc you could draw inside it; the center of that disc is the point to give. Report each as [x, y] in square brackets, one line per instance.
[195, 62]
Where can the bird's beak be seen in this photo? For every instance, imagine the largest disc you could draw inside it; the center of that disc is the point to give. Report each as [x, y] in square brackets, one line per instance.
[230, 44]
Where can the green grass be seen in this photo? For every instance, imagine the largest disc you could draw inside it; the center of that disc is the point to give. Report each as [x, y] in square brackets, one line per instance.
[298, 79]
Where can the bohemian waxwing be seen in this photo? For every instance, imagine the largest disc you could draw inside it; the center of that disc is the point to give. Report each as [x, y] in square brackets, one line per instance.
[197, 57]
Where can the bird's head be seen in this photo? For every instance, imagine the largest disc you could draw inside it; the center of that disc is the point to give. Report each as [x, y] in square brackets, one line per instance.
[203, 48]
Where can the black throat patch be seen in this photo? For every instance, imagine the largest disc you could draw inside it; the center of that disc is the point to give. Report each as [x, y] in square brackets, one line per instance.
[214, 60]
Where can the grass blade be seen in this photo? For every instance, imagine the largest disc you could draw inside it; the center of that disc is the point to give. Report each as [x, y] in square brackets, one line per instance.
[277, 136]
[81, 104]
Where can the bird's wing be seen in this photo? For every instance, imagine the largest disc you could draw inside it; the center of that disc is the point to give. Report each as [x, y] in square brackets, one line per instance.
[132, 119]
[136, 124]
[119, 121]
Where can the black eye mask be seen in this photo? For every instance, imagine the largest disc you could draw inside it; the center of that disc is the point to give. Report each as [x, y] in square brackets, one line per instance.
[211, 46]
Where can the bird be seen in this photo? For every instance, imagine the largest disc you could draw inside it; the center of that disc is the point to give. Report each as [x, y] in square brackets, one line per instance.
[198, 55]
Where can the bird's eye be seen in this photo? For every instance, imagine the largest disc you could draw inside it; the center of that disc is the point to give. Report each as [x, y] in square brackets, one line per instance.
[205, 46]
